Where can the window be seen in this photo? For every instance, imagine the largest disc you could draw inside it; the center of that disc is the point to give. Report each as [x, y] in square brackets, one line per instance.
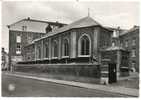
[121, 44]
[28, 57]
[126, 43]
[134, 42]
[85, 45]
[133, 64]
[105, 44]
[66, 47]
[55, 49]
[29, 38]
[133, 67]
[18, 48]
[114, 33]
[46, 51]
[18, 39]
[113, 44]
[133, 53]
[24, 28]
[39, 52]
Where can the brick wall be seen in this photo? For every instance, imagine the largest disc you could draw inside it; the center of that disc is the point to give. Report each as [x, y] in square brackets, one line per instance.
[85, 70]
[104, 38]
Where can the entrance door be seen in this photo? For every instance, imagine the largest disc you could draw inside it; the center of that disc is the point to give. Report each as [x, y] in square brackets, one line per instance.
[112, 73]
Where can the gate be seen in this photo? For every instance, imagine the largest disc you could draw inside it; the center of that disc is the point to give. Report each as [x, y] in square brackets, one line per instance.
[112, 73]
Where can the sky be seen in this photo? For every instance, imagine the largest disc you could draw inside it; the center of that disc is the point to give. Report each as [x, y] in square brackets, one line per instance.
[112, 13]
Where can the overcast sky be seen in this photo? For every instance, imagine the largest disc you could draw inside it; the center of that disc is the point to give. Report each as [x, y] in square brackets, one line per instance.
[114, 14]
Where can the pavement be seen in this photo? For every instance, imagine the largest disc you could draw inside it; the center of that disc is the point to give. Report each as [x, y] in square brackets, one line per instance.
[106, 88]
[13, 86]
[131, 76]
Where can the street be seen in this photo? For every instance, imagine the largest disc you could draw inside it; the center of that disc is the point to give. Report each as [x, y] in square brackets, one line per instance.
[21, 87]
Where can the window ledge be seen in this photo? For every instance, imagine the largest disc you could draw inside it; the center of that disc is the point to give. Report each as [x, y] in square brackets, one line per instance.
[65, 56]
[45, 58]
[84, 55]
[38, 59]
[54, 57]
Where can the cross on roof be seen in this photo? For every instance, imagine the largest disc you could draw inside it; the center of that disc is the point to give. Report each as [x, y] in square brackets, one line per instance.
[88, 11]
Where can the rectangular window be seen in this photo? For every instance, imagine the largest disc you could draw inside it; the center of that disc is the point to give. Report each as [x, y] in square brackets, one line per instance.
[134, 42]
[133, 53]
[38, 52]
[46, 51]
[114, 33]
[18, 48]
[29, 38]
[24, 28]
[126, 43]
[113, 44]
[121, 44]
[133, 64]
[18, 39]
[133, 67]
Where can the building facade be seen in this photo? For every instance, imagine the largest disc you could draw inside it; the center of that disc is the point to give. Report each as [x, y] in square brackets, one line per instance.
[24, 32]
[78, 42]
[130, 41]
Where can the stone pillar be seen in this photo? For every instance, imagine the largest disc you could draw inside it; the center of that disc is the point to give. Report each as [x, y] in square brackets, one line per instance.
[118, 63]
[105, 71]
[42, 49]
[95, 41]
[35, 51]
[99, 58]
[59, 46]
[49, 43]
[73, 45]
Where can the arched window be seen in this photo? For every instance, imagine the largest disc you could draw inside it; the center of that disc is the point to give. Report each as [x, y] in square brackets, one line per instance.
[113, 44]
[55, 49]
[46, 51]
[66, 47]
[39, 52]
[84, 45]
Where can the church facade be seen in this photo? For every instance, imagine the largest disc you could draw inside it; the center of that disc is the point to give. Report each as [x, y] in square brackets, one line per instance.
[78, 42]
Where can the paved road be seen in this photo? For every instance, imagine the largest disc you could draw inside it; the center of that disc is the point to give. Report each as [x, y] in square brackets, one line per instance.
[20, 87]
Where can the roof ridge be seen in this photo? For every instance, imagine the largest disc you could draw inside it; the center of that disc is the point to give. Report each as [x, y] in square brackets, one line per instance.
[17, 22]
[43, 21]
[36, 20]
[85, 18]
[83, 22]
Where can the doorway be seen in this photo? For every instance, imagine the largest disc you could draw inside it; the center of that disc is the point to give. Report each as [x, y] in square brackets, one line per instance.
[112, 73]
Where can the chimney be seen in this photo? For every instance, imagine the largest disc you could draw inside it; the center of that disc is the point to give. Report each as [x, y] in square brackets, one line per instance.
[118, 31]
[118, 28]
[28, 18]
[135, 26]
[8, 26]
[3, 50]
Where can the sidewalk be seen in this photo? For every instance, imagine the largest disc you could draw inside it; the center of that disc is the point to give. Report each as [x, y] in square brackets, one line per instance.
[107, 88]
[131, 76]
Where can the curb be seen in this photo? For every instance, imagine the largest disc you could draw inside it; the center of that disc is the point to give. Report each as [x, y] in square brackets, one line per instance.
[120, 90]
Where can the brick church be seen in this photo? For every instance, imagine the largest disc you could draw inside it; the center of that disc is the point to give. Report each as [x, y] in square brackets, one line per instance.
[83, 41]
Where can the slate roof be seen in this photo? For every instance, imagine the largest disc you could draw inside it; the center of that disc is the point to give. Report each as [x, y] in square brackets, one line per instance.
[128, 31]
[36, 26]
[84, 22]
[38, 21]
